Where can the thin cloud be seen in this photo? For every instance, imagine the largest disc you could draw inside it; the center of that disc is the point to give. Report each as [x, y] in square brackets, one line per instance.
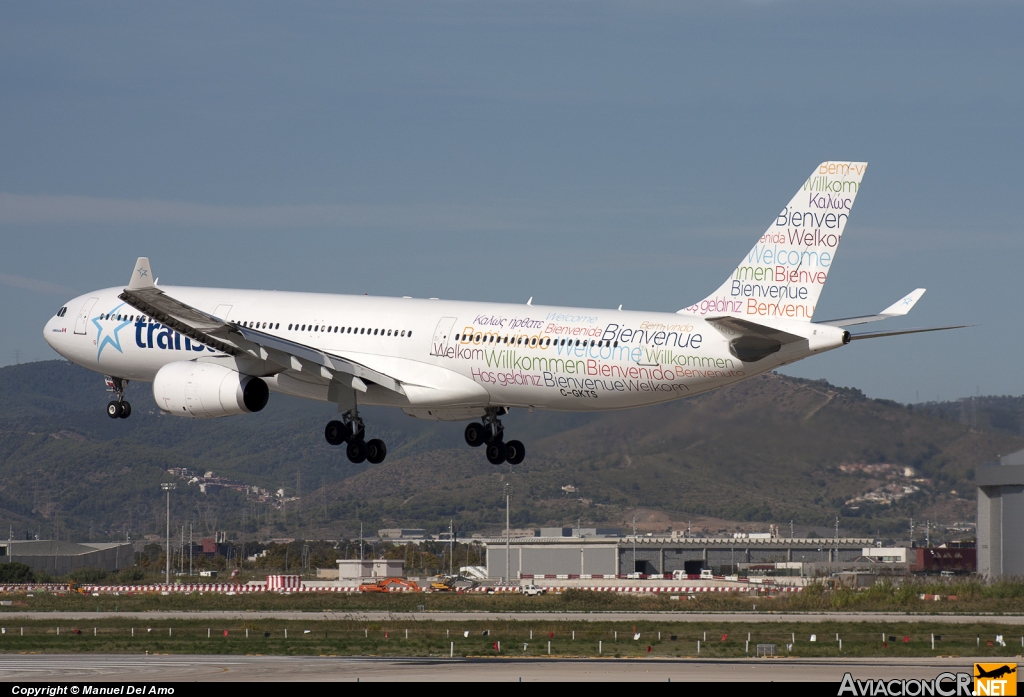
[35, 285]
[22, 209]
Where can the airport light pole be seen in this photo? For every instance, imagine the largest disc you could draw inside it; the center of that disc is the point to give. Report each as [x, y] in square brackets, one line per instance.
[508, 554]
[168, 486]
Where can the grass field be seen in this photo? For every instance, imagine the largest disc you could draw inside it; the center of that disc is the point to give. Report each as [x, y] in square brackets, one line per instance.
[518, 638]
[971, 597]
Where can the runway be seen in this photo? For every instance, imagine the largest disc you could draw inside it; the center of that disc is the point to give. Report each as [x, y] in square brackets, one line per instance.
[697, 617]
[150, 669]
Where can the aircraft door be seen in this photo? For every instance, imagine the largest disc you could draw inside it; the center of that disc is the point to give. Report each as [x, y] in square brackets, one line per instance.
[82, 321]
[442, 335]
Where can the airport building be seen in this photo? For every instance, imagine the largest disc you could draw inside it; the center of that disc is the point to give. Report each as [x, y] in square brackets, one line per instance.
[1001, 517]
[62, 558]
[610, 557]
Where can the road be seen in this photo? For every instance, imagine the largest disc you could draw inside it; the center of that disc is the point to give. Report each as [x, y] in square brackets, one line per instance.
[148, 669]
[701, 617]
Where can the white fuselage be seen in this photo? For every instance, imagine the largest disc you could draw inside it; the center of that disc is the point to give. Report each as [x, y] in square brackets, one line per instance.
[453, 358]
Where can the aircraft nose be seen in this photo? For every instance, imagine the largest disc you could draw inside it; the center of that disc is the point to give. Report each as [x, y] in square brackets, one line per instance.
[48, 332]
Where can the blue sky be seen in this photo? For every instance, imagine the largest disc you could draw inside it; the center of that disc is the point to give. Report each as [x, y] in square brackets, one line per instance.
[581, 153]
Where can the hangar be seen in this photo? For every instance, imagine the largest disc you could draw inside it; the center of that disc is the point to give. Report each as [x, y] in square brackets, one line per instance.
[61, 558]
[1001, 516]
[595, 556]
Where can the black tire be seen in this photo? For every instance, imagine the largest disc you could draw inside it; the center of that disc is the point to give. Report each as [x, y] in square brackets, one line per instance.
[476, 434]
[356, 451]
[114, 410]
[497, 452]
[126, 410]
[337, 432]
[515, 452]
[376, 451]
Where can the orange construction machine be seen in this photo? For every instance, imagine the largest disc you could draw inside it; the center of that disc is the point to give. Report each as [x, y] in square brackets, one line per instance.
[390, 585]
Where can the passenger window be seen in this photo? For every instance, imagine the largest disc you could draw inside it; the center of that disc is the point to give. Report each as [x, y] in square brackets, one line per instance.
[408, 335]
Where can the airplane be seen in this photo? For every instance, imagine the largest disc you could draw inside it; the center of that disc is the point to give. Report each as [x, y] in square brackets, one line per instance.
[995, 672]
[212, 352]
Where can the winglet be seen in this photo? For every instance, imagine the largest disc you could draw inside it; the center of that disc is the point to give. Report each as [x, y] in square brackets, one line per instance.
[142, 276]
[903, 305]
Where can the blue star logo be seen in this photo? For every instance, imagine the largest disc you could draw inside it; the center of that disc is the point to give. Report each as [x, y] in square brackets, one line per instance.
[142, 273]
[111, 337]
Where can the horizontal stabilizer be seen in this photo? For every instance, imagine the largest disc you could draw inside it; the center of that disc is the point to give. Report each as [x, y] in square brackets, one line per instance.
[897, 309]
[877, 335]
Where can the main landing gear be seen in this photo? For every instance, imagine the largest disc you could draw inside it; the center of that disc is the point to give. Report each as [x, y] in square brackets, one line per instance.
[351, 430]
[492, 434]
[118, 408]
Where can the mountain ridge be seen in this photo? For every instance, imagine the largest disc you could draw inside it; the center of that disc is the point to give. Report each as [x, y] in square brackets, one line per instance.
[766, 450]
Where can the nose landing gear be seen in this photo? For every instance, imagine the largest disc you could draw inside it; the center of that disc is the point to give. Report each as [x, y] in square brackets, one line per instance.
[118, 408]
[351, 430]
[492, 434]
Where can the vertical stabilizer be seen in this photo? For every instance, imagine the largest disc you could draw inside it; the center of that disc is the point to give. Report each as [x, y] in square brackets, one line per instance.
[784, 273]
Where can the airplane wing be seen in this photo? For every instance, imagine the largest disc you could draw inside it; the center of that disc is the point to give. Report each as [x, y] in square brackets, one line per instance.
[230, 338]
[897, 309]
[752, 341]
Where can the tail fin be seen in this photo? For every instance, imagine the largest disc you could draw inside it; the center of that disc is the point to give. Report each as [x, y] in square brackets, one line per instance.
[783, 274]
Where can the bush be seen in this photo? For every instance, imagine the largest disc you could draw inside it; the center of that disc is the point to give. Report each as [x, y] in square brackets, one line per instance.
[88, 574]
[131, 574]
[16, 573]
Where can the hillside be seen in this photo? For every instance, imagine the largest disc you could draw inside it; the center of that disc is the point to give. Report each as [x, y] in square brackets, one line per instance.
[773, 449]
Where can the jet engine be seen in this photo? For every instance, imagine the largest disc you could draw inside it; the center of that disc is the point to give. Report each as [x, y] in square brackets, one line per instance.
[207, 390]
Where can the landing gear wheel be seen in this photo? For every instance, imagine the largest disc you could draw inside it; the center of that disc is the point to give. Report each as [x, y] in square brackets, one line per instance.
[476, 434]
[114, 410]
[337, 432]
[515, 452]
[376, 451]
[126, 410]
[356, 451]
[497, 452]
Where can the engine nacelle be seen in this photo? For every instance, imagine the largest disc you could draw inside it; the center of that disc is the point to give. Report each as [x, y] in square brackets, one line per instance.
[207, 390]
